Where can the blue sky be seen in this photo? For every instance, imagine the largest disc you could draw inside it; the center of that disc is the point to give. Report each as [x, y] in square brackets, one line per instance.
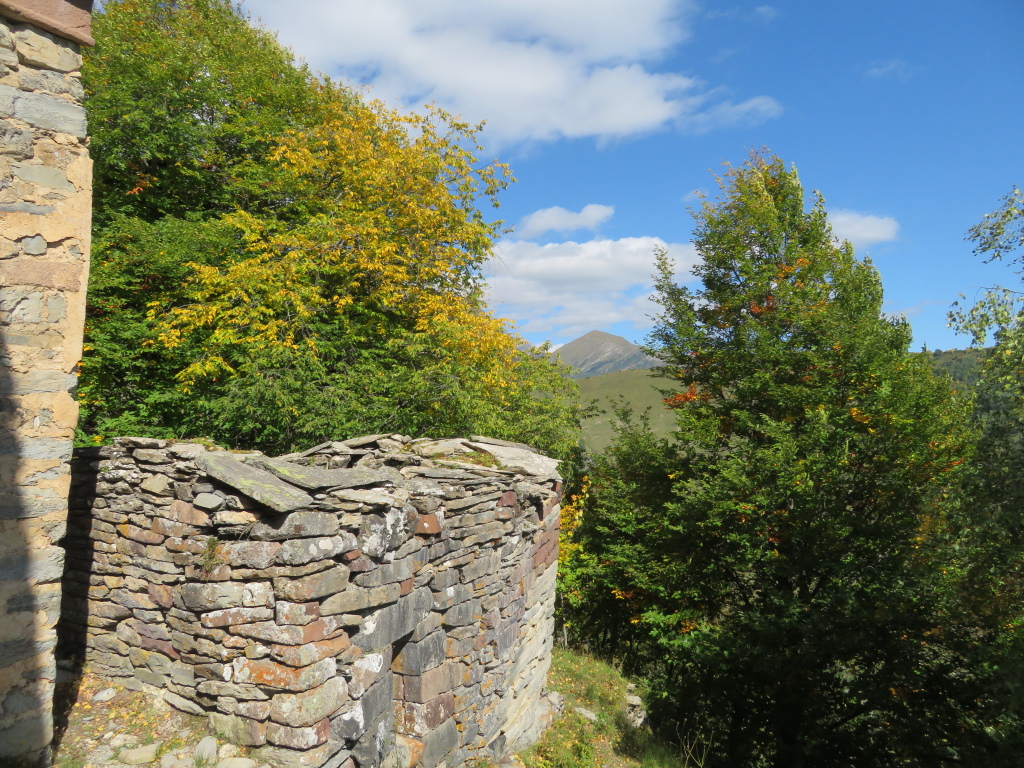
[907, 116]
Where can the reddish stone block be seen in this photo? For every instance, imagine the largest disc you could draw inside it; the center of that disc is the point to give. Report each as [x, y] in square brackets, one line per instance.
[406, 586]
[274, 675]
[162, 646]
[138, 534]
[428, 524]
[183, 512]
[419, 719]
[161, 594]
[508, 499]
[289, 634]
[361, 565]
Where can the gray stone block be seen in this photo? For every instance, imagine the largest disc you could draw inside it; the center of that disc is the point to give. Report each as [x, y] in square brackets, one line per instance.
[7, 97]
[212, 596]
[51, 113]
[462, 614]
[182, 704]
[38, 48]
[302, 551]
[22, 207]
[239, 730]
[27, 736]
[310, 707]
[43, 176]
[316, 478]
[14, 141]
[417, 658]
[313, 587]
[394, 621]
[296, 525]
[439, 742]
[255, 483]
[46, 566]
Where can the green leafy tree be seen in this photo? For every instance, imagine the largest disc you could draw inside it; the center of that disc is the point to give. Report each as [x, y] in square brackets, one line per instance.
[278, 261]
[786, 570]
[996, 491]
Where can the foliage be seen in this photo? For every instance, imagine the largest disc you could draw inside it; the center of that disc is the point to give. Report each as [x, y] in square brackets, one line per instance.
[963, 366]
[791, 570]
[279, 261]
[996, 490]
[185, 103]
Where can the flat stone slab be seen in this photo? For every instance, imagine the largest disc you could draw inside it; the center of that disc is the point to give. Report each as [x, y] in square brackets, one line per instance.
[314, 478]
[258, 484]
[528, 462]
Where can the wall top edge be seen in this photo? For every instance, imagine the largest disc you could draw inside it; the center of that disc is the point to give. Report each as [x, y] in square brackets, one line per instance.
[70, 19]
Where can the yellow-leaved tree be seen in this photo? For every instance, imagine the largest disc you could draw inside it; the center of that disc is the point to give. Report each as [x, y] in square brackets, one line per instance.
[354, 303]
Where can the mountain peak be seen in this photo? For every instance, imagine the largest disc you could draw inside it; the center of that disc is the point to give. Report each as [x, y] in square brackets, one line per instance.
[598, 352]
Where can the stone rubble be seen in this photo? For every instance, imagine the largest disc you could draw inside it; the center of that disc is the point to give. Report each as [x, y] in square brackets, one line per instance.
[379, 601]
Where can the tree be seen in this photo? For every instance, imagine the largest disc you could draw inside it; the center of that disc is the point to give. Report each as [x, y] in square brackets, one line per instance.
[280, 261]
[785, 570]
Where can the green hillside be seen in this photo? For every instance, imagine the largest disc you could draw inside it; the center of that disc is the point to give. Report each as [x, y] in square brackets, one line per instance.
[637, 388]
[962, 365]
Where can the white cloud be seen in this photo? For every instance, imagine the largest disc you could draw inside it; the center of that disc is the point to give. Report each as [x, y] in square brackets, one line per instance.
[558, 219]
[562, 290]
[533, 69]
[766, 12]
[896, 69]
[863, 229]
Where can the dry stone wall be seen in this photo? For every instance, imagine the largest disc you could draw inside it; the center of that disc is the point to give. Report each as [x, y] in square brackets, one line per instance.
[45, 199]
[377, 601]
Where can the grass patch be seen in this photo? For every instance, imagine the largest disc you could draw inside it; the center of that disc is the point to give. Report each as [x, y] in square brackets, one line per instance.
[607, 740]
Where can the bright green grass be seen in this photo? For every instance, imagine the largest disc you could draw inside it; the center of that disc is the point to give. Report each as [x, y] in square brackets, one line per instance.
[611, 742]
[639, 389]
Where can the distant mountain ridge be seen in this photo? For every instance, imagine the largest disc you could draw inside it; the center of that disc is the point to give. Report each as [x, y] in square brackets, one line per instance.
[597, 353]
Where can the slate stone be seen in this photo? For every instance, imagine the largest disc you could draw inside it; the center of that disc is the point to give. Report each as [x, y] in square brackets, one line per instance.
[255, 483]
[356, 599]
[315, 478]
[239, 730]
[417, 658]
[270, 674]
[208, 501]
[302, 551]
[433, 682]
[374, 703]
[212, 597]
[394, 621]
[314, 586]
[250, 554]
[421, 719]
[310, 707]
[439, 742]
[299, 738]
[181, 704]
[307, 523]
[51, 113]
